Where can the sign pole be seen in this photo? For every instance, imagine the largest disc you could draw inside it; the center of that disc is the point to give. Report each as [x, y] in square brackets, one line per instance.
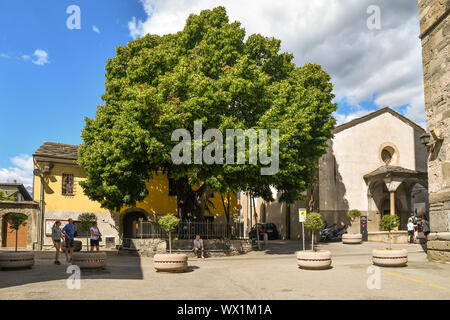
[303, 235]
[302, 219]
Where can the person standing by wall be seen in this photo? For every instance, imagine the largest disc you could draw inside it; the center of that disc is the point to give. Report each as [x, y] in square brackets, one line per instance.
[426, 227]
[95, 236]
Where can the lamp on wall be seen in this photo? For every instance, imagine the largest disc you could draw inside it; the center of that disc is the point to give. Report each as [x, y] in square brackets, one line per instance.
[433, 141]
[425, 139]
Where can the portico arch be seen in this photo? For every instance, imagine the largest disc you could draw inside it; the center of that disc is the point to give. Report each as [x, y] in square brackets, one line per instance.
[392, 185]
[28, 208]
[130, 219]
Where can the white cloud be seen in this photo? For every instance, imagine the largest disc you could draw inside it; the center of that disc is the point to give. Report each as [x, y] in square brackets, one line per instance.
[40, 57]
[21, 170]
[4, 55]
[95, 29]
[361, 62]
[343, 118]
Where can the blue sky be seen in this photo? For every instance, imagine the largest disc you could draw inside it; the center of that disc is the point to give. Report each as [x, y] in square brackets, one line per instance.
[48, 102]
[52, 77]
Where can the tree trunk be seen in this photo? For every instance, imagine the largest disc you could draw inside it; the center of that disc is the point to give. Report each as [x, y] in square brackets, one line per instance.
[390, 240]
[312, 240]
[191, 203]
[256, 222]
[226, 210]
[170, 242]
[17, 236]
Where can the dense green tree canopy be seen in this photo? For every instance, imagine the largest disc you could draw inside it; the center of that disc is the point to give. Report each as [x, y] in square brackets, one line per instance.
[207, 72]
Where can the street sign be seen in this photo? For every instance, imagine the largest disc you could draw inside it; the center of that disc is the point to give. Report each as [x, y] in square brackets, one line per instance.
[302, 214]
[302, 219]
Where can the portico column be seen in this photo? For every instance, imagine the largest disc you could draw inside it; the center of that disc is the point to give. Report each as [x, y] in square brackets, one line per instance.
[392, 201]
[392, 186]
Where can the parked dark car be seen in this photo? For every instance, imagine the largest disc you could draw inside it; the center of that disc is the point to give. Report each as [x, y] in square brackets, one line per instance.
[269, 228]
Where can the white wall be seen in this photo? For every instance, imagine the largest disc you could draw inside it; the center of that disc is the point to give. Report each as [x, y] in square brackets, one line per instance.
[358, 152]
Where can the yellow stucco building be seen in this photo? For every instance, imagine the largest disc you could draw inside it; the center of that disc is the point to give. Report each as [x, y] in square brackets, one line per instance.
[63, 197]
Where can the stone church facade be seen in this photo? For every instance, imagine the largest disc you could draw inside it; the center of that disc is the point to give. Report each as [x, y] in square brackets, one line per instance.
[376, 164]
[435, 37]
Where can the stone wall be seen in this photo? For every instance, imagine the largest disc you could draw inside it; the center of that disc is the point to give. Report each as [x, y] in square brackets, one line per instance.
[435, 36]
[105, 221]
[438, 250]
[213, 247]
[28, 208]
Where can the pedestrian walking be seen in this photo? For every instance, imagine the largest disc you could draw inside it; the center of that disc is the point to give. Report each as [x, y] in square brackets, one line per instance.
[56, 238]
[410, 226]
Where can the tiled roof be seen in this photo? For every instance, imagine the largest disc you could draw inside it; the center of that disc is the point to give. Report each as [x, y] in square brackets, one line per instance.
[393, 170]
[20, 188]
[58, 150]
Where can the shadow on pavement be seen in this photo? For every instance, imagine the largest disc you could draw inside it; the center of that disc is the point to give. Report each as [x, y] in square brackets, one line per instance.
[285, 247]
[118, 267]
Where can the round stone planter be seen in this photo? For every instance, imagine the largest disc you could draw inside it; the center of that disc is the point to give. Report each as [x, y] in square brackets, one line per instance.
[16, 260]
[89, 260]
[170, 262]
[390, 258]
[314, 260]
[350, 238]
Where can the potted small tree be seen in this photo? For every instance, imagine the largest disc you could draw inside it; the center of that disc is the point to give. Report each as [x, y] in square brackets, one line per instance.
[88, 259]
[352, 238]
[170, 262]
[16, 260]
[313, 259]
[389, 257]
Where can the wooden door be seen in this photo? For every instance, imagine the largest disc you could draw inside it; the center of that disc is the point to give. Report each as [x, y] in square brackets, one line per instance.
[9, 235]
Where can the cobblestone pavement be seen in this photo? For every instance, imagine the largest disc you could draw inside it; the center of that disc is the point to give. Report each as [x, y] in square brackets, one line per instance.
[268, 274]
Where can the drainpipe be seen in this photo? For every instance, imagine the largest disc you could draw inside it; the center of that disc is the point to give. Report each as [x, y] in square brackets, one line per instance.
[41, 221]
[42, 207]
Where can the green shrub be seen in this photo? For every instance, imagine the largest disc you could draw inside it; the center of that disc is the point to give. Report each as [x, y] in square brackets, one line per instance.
[313, 222]
[169, 223]
[355, 213]
[389, 223]
[85, 223]
[4, 197]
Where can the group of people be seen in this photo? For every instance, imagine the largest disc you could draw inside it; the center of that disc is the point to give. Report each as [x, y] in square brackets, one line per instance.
[66, 235]
[415, 226]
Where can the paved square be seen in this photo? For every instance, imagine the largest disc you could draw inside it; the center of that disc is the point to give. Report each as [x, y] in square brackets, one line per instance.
[267, 274]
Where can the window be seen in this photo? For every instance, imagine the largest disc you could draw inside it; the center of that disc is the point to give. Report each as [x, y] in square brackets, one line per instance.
[172, 190]
[67, 184]
[387, 155]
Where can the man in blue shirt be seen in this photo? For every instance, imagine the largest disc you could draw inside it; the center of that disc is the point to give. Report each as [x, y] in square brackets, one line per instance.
[69, 230]
[198, 245]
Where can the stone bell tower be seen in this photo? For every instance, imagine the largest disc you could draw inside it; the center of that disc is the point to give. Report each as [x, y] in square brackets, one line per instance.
[435, 37]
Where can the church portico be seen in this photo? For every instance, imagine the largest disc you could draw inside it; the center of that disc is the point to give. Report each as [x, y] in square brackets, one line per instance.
[391, 189]
[375, 164]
